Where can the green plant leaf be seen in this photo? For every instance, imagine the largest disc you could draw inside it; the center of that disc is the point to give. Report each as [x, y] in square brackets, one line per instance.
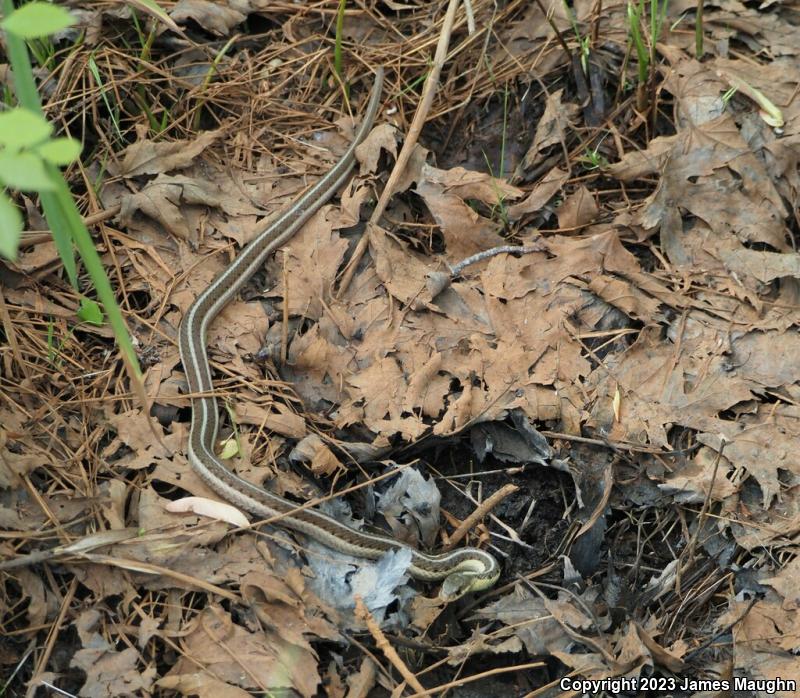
[20, 128]
[24, 171]
[153, 8]
[10, 227]
[60, 151]
[230, 448]
[90, 312]
[61, 212]
[37, 19]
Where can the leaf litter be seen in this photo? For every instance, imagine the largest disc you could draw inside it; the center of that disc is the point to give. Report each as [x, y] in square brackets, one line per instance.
[630, 369]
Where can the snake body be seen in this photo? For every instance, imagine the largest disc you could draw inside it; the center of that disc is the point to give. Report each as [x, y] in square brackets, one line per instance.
[463, 570]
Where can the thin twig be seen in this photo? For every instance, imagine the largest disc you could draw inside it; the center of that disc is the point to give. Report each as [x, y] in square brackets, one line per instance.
[385, 646]
[688, 553]
[55, 630]
[420, 117]
[493, 252]
[722, 631]
[486, 506]
[477, 677]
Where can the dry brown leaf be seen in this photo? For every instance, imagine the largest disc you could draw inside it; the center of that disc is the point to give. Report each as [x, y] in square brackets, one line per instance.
[578, 210]
[217, 18]
[764, 641]
[361, 682]
[626, 296]
[384, 385]
[762, 450]
[552, 127]
[660, 388]
[785, 583]
[694, 479]
[544, 190]
[252, 660]
[468, 184]
[427, 387]
[108, 671]
[317, 454]
[317, 367]
[39, 256]
[278, 419]
[765, 266]
[403, 271]
[309, 264]
[382, 137]
[531, 619]
[149, 157]
[41, 602]
[465, 231]
[284, 606]
[753, 527]
[661, 656]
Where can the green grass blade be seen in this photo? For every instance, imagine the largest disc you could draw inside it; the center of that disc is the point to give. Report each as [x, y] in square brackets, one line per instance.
[62, 215]
[91, 260]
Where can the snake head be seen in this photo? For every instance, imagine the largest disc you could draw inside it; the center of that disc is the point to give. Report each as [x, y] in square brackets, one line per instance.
[471, 574]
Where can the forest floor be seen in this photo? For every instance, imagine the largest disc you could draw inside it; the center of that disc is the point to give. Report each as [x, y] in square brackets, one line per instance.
[565, 332]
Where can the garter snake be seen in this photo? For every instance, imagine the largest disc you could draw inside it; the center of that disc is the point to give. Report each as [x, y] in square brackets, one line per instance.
[463, 570]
